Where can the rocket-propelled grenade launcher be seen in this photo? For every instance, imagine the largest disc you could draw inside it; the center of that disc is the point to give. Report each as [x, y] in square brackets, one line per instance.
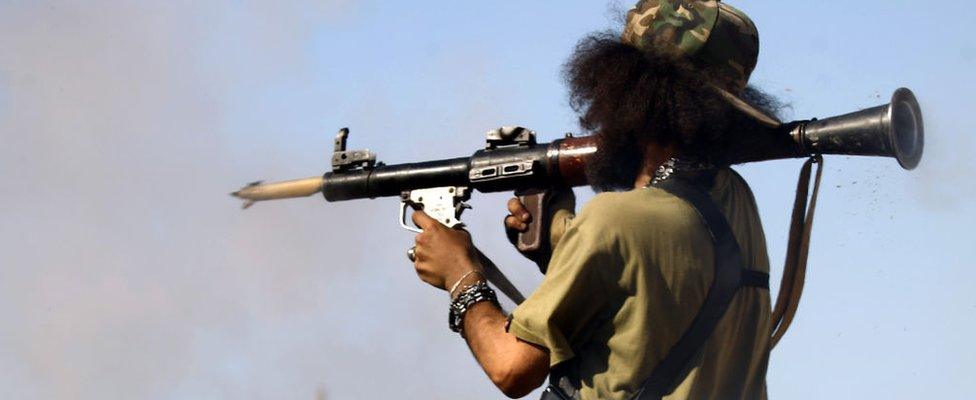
[512, 160]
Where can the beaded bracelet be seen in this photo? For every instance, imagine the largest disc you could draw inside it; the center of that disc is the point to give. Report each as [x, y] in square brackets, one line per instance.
[469, 296]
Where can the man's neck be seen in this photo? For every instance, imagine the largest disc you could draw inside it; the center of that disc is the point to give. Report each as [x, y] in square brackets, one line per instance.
[654, 156]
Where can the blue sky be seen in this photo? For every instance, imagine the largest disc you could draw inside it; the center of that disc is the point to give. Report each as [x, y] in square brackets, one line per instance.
[127, 272]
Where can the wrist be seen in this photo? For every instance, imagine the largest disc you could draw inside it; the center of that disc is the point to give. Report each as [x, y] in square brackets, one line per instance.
[466, 300]
[462, 281]
[468, 272]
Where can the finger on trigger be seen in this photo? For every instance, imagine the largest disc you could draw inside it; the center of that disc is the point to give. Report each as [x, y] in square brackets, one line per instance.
[422, 220]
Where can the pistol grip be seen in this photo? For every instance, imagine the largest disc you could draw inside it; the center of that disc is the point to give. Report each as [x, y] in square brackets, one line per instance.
[534, 242]
[535, 239]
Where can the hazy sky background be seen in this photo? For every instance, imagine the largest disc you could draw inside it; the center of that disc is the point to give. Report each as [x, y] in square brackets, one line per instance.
[127, 272]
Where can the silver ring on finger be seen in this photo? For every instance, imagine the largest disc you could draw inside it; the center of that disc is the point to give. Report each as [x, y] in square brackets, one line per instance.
[412, 254]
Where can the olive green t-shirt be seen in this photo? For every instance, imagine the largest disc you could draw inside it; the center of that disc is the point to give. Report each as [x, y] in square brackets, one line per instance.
[626, 278]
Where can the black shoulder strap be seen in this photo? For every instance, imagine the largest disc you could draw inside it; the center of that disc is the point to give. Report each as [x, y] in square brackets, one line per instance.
[728, 279]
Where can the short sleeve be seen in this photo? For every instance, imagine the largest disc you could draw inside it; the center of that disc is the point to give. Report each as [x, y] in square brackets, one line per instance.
[563, 309]
[558, 225]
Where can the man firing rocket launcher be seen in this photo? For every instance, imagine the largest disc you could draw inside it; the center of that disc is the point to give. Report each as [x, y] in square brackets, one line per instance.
[512, 160]
[658, 287]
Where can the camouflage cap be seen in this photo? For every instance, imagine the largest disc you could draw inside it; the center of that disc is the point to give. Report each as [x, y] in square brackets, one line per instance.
[711, 33]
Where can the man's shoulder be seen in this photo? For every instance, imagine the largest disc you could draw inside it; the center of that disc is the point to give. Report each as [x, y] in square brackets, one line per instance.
[638, 208]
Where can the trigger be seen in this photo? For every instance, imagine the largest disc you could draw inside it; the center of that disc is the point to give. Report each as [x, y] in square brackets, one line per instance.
[458, 209]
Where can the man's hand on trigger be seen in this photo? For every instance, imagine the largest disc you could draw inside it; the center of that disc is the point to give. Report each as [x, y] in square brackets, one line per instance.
[443, 255]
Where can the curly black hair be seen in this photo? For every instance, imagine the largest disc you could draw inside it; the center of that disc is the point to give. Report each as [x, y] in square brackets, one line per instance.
[631, 98]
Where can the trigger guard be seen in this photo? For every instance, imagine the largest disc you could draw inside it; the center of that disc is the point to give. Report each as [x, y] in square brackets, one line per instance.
[443, 204]
[403, 218]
